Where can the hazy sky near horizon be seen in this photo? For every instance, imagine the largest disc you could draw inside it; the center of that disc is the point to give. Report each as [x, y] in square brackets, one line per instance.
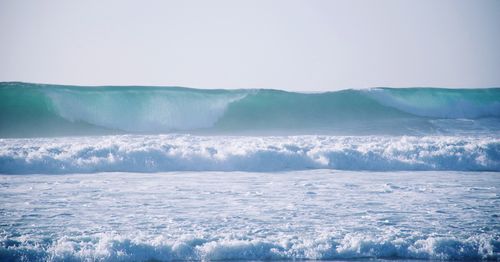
[312, 45]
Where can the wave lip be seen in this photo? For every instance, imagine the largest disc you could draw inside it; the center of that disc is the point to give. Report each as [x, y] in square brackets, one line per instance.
[106, 247]
[440, 102]
[204, 153]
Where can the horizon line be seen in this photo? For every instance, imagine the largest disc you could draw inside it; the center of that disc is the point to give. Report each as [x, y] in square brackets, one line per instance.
[253, 88]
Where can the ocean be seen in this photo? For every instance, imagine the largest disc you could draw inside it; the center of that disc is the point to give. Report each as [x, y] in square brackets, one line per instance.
[136, 173]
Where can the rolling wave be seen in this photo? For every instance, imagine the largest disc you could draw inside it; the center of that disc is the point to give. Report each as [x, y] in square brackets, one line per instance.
[108, 247]
[33, 110]
[261, 154]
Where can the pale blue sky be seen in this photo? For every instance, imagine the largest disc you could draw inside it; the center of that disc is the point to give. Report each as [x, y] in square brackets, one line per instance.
[294, 45]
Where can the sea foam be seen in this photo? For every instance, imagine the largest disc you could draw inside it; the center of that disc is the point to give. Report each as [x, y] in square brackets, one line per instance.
[314, 214]
[109, 247]
[145, 153]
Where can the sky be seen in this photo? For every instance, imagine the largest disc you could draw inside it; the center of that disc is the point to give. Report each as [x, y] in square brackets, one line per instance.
[309, 45]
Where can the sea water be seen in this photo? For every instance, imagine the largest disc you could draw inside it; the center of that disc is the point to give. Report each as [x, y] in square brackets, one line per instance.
[315, 214]
[34, 110]
[170, 173]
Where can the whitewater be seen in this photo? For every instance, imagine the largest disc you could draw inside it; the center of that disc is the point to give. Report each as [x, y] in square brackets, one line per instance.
[147, 153]
[135, 173]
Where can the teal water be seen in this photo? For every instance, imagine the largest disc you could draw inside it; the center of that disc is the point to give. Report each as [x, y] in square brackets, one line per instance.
[32, 110]
[137, 173]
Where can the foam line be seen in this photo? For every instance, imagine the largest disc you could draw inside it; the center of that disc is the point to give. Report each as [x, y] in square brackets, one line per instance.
[219, 153]
[108, 247]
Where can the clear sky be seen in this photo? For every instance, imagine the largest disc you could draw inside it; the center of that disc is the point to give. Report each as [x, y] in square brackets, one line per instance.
[309, 45]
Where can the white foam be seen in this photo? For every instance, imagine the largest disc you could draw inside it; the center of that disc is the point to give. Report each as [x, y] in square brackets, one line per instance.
[202, 153]
[319, 214]
[112, 247]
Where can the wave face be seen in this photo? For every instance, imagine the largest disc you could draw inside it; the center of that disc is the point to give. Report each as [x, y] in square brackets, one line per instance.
[157, 153]
[31, 110]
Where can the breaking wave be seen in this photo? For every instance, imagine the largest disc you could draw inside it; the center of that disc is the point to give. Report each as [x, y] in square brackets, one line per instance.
[139, 153]
[108, 247]
[34, 110]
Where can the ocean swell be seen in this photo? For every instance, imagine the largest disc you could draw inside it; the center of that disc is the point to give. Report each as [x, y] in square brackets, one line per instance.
[35, 110]
[219, 153]
[440, 102]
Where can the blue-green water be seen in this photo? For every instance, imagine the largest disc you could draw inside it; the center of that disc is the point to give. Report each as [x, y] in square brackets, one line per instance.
[31, 110]
[168, 173]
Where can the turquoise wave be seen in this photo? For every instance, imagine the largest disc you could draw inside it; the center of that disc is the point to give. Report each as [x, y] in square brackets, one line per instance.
[31, 110]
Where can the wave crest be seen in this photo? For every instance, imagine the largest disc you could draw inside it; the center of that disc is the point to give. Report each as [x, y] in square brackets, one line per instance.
[108, 247]
[31, 110]
[441, 103]
[201, 153]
